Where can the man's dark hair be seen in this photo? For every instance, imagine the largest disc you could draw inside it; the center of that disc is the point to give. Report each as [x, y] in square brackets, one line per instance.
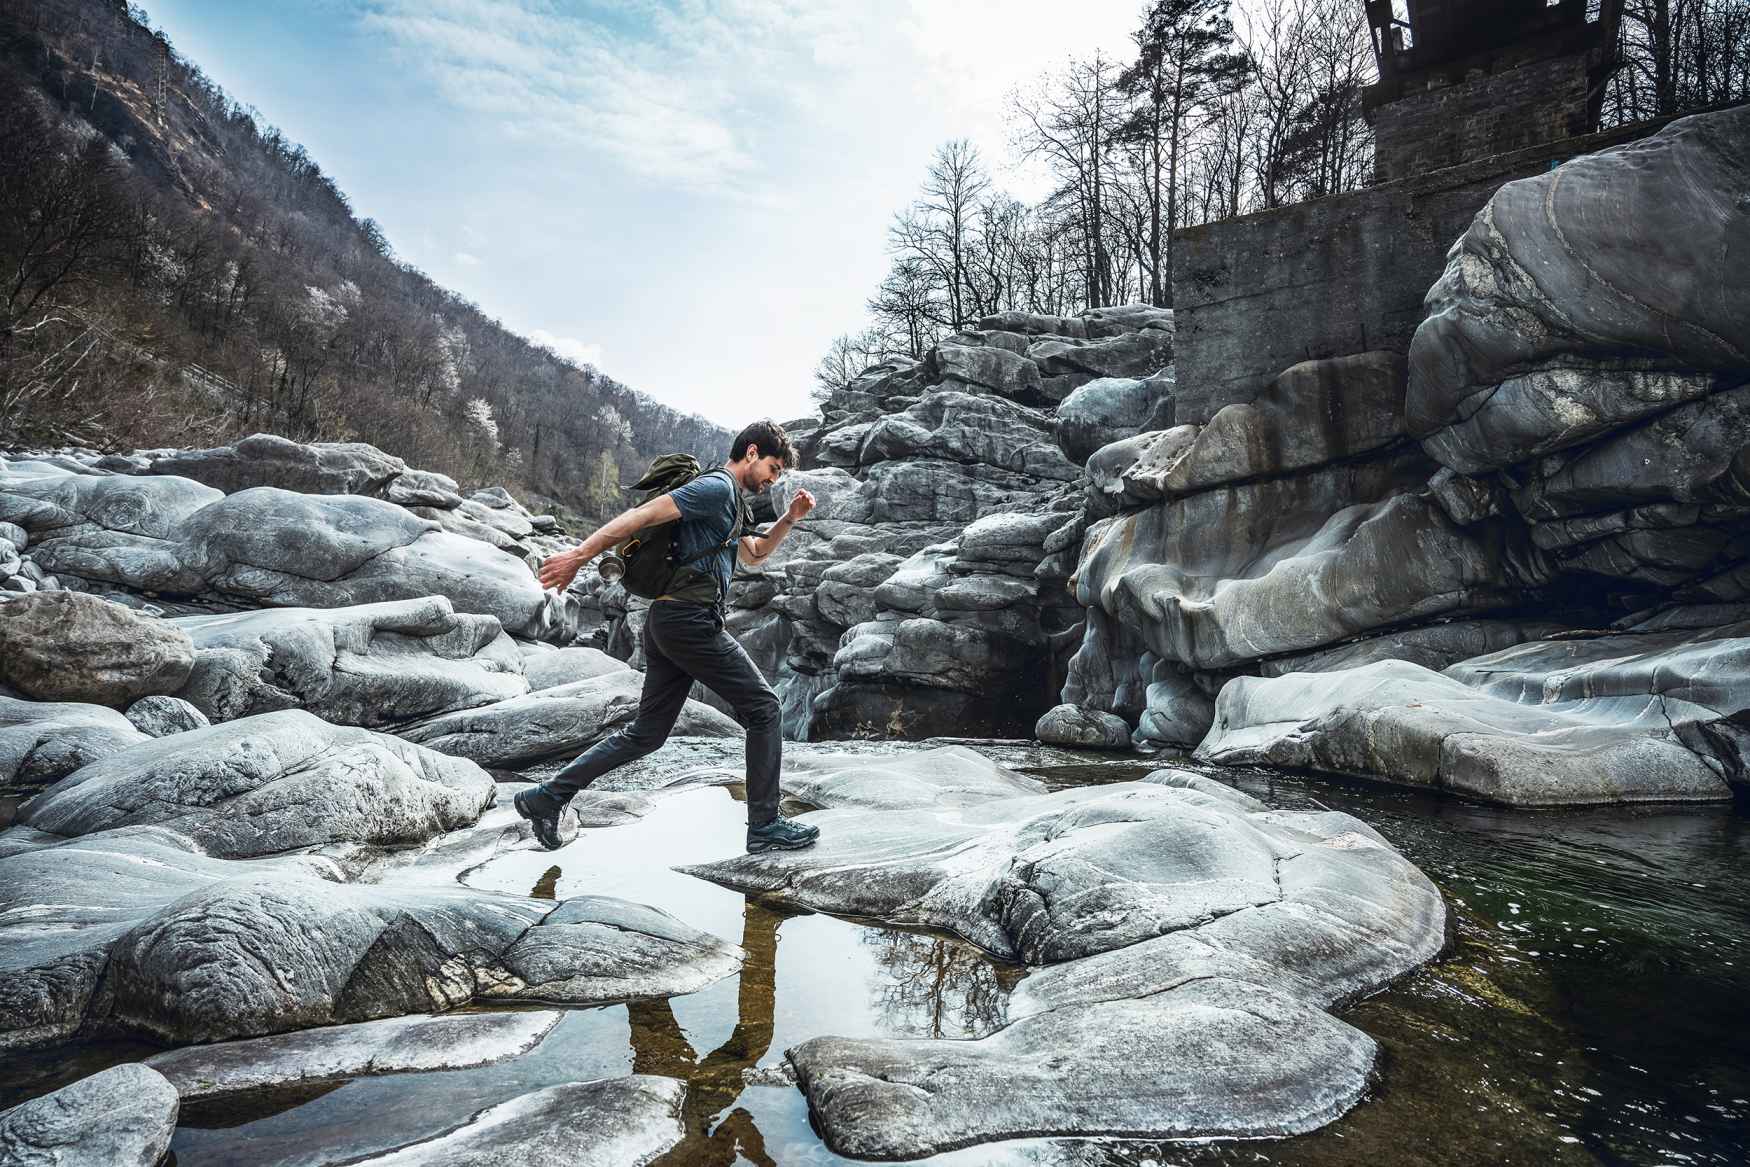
[771, 440]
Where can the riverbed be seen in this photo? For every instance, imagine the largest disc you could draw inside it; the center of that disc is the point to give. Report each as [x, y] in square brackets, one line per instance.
[1593, 1007]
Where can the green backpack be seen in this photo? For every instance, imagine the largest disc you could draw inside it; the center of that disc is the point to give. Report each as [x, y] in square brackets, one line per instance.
[651, 568]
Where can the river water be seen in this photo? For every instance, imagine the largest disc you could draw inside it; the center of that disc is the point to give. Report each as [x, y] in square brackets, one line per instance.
[1594, 1007]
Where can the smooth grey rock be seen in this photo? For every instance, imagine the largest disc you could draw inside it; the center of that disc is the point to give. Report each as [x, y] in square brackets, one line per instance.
[553, 723]
[1551, 408]
[67, 646]
[986, 368]
[270, 460]
[1633, 251]
[563, 666]
[1035, 323]
[1177, 712]
[942, 776]
[396, 1045]
[1402, 723]
[1141, 353]
[1040, 879]
[1314, 413]
[1070, 725]
[268, 784]
[1696, 452]
[614, 1122]
[370, 665]
[965, 428]
[15, 535]
[64, 904]
[596, 948]
[846, 592]
[120, 1117]
[270, 546]
[1222, 577]
[1433, 646]
[1212, 1058]
[1108, 409]
[163, 716]
[43, 741]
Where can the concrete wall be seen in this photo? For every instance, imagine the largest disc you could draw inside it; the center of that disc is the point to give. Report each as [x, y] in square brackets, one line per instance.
[1445, 125]
[1331, 277]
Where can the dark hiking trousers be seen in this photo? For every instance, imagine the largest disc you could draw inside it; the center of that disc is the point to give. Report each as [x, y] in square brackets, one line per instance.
[683, 643]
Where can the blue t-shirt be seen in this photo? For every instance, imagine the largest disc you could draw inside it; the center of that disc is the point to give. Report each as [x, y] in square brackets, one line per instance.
[709, 506]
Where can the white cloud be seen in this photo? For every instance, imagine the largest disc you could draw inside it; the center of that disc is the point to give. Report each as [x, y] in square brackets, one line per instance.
[467, 259]
[568, 347]
[675, 92]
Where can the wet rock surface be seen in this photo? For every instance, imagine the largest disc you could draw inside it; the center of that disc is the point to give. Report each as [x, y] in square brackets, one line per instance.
[396, 1045]
[620, 1122]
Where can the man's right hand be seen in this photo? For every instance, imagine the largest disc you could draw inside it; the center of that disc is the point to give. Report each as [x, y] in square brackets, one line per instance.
[559, 569]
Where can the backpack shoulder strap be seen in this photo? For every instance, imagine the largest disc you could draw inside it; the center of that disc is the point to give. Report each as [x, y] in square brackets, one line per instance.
[734, 531]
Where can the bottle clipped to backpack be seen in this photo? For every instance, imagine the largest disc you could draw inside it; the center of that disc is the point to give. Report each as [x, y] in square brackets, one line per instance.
[645, 563]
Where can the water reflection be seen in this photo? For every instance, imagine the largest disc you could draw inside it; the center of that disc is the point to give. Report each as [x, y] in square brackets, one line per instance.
[715, 1081]
[937, 987]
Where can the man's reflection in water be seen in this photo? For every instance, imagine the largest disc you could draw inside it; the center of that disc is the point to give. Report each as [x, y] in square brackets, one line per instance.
[714, 1082]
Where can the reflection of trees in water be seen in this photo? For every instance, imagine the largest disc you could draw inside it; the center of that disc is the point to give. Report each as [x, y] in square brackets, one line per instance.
[714, 1082]
[937, 986]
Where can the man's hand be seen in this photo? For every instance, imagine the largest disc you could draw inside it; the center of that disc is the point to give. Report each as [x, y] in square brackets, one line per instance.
[799, 506]
[560, 568]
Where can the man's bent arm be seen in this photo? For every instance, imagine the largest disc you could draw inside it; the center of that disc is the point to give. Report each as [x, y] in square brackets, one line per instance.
[756, 549]
[558, 570]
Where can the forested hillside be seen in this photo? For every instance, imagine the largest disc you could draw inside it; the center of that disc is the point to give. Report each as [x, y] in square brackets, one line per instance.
[178, 272]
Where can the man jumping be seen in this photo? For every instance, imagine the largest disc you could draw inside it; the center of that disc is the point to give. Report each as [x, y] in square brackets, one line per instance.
[684, 638]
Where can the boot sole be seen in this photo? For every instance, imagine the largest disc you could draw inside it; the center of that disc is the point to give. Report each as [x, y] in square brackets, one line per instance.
[756, 848]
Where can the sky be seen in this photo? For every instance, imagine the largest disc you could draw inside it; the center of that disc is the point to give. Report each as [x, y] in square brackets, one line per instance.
[692, 195]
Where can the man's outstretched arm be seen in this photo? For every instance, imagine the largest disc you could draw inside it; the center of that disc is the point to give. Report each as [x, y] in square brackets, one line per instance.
[756, 548]
[559, 569]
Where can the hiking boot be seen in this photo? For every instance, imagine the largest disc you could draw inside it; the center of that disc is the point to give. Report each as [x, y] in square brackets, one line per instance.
[781, 834]
[546, 825]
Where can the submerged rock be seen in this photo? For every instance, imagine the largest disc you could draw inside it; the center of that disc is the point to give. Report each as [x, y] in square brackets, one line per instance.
[395, 1046]
[121, 1117]
[614, 1122]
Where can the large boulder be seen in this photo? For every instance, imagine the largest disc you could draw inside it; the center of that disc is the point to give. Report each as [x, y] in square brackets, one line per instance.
[554, 723]
[1625, 726]
[120, 1117]
[1187, 1062]
[66, 646]
[1635, 252]
[268, 784]
[372, 665]
[1088, 729]
[1109, 409]
[42, 742]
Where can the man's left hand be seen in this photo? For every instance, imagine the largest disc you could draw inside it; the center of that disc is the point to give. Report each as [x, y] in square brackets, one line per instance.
[800, 505]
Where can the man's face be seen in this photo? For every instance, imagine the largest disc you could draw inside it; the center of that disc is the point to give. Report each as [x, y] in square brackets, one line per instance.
[765, 471]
